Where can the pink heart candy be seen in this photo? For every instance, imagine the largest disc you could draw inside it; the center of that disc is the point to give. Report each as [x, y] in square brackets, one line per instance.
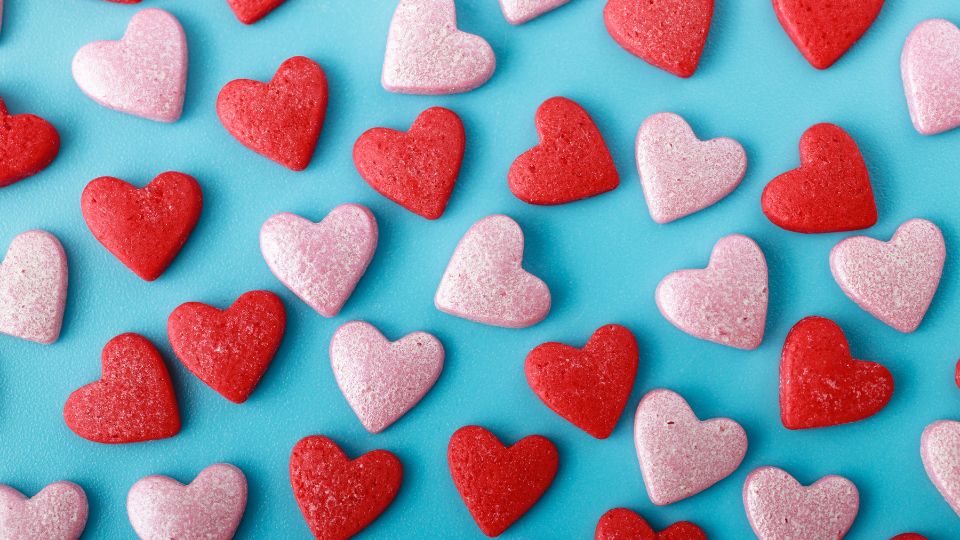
[521, 11]
[33, 287]
[210, 507]
[680, 173]
[930, 67]
[382, 380]
[484, 281]
[940, 453]
[143, 74]
[58, 512]
[427, 54]
[894, 281]
[779, 507]
[725, 303]
[680, 455]
[321, 262]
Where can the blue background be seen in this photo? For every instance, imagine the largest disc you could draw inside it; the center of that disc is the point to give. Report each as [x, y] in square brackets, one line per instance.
[602, 258]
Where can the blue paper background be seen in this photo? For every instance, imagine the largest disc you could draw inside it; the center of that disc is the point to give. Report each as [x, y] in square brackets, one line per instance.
[602, 259]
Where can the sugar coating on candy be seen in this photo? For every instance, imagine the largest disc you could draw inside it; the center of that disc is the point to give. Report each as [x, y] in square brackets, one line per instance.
[251, 11]
[625, 524]
[28, 144]
[320, 262]
[143, 74]
[681, 174]
[427, 54]
[679, 454]
[940, 453]
[382, 380]
[33, 287]
[930, 67]
[894, 281]
[779, 507]
[521, 11]
[57, 512]
[823, 30]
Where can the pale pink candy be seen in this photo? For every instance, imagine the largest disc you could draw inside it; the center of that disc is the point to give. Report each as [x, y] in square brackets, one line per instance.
[484, 281]
[143, 74]
[321, 262]
[725, 303]
[681, 174]
[930, 67]
[33, 287]
[521, 11]
[679, 455]
[778, 507]
[58, 512]
[382, 380]
[210, 507]
[427, 54]
[940, 453]
[894, 281]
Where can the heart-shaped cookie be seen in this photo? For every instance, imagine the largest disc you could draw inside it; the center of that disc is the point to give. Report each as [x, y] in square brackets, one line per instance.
[251, 11]
[57, 512]
[521, 11]
[930, 67]
[823, 30]
[28, 144]
[33, 287]
[779, 507]
[625, 524]
[940, 453]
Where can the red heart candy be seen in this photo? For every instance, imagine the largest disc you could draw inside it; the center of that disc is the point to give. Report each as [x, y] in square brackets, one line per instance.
[821, 384]
[498, 483]
[282, 119]
[624, 524]
[589, 386]
[909, 536]
[132, 402]
[251, 11]
[571, 162]
[830, 192]
[339, 497]
[28, 144]
[823, 30]
[418, 168]
[229, 350]
[956, 374]
[143, 228]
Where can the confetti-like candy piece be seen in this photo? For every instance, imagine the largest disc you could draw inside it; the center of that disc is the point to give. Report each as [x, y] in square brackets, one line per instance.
[57, 512]
[940, 453]
[930, 67]
[909, 536]
[251, 11]
[143, 74]
[779, 507]
[33, 287]
[625, 524]
[28, 144]
[823, 30]
[521, 11]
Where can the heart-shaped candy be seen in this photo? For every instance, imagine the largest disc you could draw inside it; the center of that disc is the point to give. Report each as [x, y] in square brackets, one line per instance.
[930, 67]
[33, 287]
[521, 11]
[778, 507]
[58, 512]
[823, 30]
[28, 144]
[909, 536]
[251, 11]
[625, 524]
[940, 453]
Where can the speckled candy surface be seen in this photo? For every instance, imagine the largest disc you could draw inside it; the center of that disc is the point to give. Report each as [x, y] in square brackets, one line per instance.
[930, 67]
[625, 524]
[778, 507]
[940, 453]
[521, 11]
[823, 30]
[33, 287]
[57, 512]
[28, 144]
[251, 11]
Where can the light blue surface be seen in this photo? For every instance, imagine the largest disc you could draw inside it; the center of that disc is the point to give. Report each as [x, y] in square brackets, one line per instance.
[602, 259]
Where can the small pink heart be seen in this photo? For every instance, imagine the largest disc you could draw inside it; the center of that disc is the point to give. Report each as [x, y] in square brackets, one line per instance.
[940, 453]
[484, 281]
[930, 67]
[210, 507]
[680, 455]
[779, 507]
[680, 173]
[58, 512]
[427, 54]
[725, 303]
[382, 380]
[33, 287]
[143, 74]
[521, 11]
[894, 281]
[321, 262]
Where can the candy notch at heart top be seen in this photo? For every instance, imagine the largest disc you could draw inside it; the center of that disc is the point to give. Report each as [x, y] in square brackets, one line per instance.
[930, 67]
[940, 453]
[57, 512]
[779, 507]
[625, 524]
[823, 30]
[33, 287]
[28, 144]
[251, 11]
[521, 11]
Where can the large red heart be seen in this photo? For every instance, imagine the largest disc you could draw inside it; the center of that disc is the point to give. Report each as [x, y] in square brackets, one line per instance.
[133, 401]
[829, 192]
[229, 350]
[282, 119]
[338, 496]
[143, 228]
[251, 11]
[588, 386]
[28, 144]
[418, 168]
[823, 30]
[624, 524]
[821, 384]
[498, 483]
[571, 162]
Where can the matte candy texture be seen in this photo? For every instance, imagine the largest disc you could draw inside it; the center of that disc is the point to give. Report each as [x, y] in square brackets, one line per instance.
[624, 524]
[571, 162]
[821, 384]
[909, 536]
[427, 54]
[940, 453]
[210, 507]
[382, 380]
[930, 67]
[418, 168]
[725, 303]
[823, 30]
[681, 174]
[590, 386]
[28, 144]
[668, 34]
[778, 507]
[484, 281]
[229, 350]
[321, 262]
[282, 119]
[500, 483]
[132, 402]
[251, 11]
[143, 74]
[58, 512]
[521, 11]
[830, 192]
[339, 497]
[894, 281]
[143, 228]
[680, 455]
[33, 287]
